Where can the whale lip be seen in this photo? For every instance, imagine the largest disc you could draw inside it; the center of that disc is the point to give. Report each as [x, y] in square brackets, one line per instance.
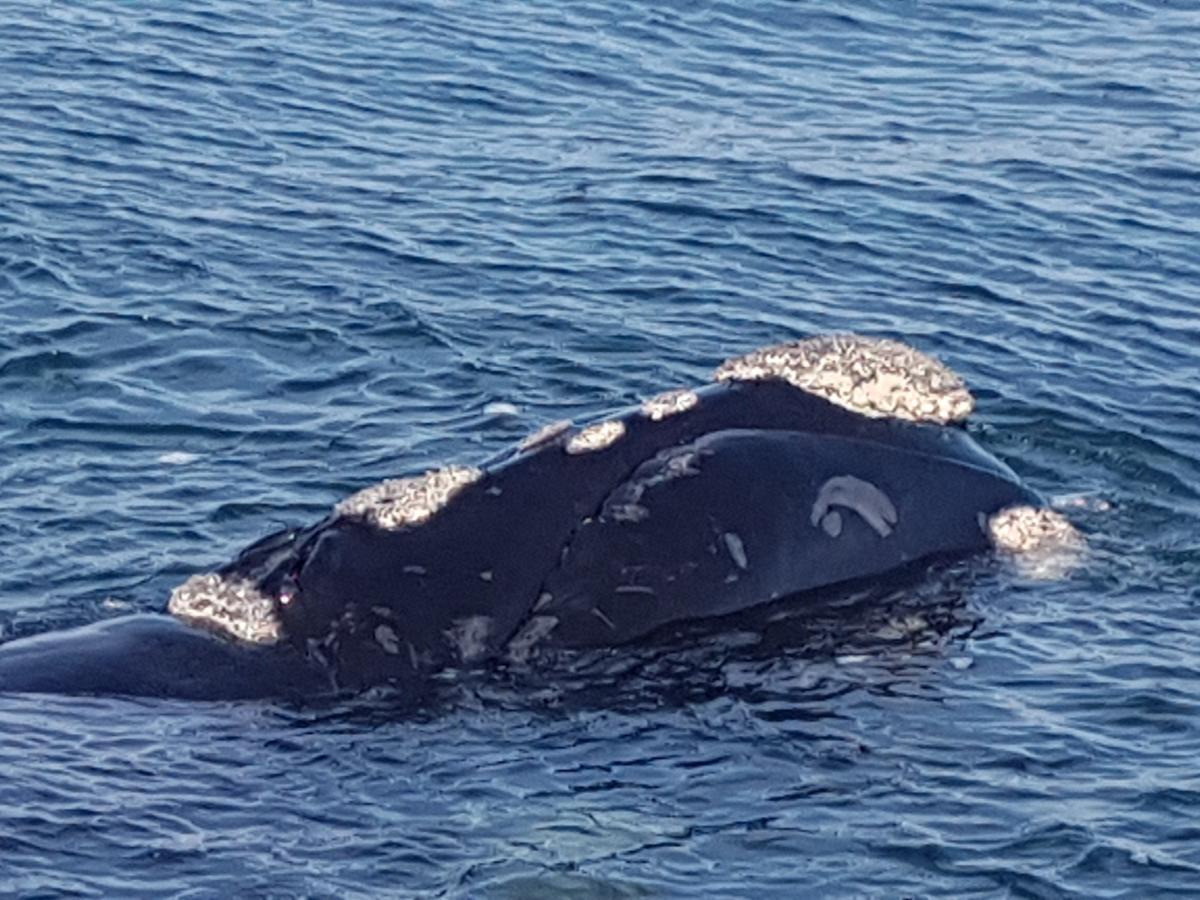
[152, 655]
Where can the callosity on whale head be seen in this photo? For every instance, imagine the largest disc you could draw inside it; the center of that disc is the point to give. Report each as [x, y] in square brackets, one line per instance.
[800, 466]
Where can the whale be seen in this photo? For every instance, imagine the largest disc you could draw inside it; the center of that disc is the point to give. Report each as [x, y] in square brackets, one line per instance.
[800, 467]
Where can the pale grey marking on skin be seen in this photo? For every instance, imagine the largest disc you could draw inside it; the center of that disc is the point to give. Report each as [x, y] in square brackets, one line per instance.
[544, 435]
[674, 462]
[634, 589]
[522, 646]
[383, 612]
[414, 570]
[861, 496]
[404, 502]
[628, 512]
[832, 523]
[596, 437]
[874, 377]
[737, 550]
[468, 637]
[545, 598]
[486, 575]
[385, 637]
[599, 614]
[229, 607]
[669, 403]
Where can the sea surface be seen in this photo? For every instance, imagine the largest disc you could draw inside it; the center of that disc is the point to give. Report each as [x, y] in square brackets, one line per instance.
[255, 256]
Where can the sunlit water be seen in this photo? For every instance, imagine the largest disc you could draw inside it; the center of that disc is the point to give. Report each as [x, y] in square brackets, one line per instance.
[254, 256]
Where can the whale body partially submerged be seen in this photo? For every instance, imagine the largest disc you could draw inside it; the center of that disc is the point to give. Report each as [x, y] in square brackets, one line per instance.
[802, 466]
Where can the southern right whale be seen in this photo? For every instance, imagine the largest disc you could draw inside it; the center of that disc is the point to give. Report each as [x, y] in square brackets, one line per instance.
[803, 466]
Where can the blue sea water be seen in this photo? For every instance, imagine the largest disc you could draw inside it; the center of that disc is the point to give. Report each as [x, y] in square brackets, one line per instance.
[255, 256]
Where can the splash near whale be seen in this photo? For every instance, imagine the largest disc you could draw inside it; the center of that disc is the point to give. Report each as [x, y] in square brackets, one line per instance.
[802, 466]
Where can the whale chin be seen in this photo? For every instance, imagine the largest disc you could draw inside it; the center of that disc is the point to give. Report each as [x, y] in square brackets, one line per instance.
[153, 655]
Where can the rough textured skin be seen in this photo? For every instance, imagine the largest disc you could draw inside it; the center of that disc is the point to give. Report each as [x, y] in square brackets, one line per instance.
[1041, 541]
[669, 403]
[873, 376]
[596, 437]
[229, 607]
[404, 502]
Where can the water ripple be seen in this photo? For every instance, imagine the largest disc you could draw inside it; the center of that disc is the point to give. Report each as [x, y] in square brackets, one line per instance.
[250, 261]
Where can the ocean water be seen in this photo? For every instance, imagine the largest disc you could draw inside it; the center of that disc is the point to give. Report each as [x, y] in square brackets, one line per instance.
[255, 256]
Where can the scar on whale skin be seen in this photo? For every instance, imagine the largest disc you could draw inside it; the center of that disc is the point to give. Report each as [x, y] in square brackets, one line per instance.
[853, 493]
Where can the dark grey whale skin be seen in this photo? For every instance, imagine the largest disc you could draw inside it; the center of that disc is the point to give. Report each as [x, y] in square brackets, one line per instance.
[539, 524]
[154, 655]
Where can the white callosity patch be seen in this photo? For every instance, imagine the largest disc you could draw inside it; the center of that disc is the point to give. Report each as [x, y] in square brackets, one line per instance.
[1042, 542]
[468, 638]
[596, 437]
[524, 643]
[404, 502]
[669, 403]
[227, 606]
[853, 493]
[544, 435]
[875, 377]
